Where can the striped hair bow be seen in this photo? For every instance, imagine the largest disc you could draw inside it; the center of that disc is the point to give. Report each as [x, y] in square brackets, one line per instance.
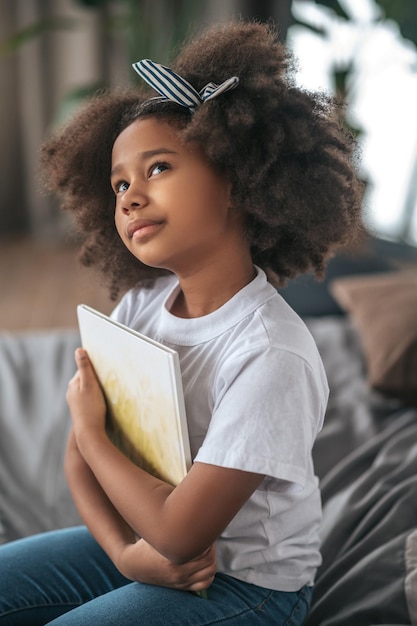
[176, 89]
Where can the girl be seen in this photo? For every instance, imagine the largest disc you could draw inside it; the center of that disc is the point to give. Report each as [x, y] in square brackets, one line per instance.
[195, 200]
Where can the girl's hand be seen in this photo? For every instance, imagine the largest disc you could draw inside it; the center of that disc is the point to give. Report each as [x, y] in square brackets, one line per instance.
[140, 562]
[85, 397]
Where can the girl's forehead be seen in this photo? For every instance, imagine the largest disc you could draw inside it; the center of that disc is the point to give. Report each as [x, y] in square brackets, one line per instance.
[148, 137]
[146, 132]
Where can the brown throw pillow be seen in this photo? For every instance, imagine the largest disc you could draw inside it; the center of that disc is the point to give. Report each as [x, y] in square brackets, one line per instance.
[384, 310]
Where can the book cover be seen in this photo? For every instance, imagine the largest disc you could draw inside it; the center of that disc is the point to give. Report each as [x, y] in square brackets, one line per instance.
[141, 381]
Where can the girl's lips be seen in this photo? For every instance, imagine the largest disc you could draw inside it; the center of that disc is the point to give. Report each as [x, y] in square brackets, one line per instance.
[142, 228]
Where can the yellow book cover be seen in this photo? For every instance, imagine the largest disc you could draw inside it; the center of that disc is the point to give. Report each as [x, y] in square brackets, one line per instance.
[141, 380]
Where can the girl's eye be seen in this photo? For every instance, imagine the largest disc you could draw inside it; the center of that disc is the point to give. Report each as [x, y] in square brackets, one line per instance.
[158, 168]
[121, 187]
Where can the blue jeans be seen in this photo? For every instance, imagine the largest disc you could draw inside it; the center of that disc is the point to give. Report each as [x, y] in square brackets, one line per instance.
[64, 578]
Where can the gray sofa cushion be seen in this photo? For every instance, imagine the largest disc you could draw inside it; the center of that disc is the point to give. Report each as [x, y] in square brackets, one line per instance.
[34, 423]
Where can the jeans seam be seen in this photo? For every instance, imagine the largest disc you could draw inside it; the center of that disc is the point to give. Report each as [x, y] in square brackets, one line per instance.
[301, 600]
[47, 605]
[251, 609]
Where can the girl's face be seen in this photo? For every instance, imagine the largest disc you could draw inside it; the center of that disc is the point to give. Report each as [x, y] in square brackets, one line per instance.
[173, 210]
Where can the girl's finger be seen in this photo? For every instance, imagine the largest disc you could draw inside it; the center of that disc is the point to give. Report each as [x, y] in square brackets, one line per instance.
[85, 370]
[81, 358]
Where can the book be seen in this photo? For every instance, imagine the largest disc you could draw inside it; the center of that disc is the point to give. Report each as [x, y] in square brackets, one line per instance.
[141, 381]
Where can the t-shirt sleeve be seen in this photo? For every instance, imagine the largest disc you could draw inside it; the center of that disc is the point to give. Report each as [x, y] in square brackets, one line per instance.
[269, 406]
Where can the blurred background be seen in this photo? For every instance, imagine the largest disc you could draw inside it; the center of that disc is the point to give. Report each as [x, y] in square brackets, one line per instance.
[56, 53]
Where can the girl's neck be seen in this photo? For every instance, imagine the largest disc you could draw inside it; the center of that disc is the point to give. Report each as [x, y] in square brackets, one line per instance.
[205, 291]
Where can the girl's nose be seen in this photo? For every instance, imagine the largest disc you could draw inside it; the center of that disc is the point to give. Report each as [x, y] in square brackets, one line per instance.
[133, 198]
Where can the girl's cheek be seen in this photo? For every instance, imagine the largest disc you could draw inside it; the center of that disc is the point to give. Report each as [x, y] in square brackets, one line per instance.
[118, 221]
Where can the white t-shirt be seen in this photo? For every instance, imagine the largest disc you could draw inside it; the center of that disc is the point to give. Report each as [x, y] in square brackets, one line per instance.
[255, 397]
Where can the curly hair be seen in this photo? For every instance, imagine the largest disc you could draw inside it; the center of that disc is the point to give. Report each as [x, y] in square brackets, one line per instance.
[286, 152]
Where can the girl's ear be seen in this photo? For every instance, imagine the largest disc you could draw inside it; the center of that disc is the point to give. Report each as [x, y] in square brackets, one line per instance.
[236, 214]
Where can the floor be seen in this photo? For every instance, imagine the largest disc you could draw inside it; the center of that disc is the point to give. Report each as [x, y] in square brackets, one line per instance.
[42, 283]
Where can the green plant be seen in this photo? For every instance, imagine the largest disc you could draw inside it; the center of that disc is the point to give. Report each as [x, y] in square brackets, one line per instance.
[143, 27]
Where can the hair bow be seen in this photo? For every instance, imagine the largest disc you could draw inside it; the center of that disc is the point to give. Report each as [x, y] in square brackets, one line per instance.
[176, 89]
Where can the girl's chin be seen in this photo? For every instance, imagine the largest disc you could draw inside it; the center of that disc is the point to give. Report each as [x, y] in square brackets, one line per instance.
[152, 261]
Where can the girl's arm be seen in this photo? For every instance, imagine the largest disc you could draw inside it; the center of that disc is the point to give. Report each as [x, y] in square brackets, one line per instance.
[144, 564]
[111, 530]
[181, 522]
[134, 558]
